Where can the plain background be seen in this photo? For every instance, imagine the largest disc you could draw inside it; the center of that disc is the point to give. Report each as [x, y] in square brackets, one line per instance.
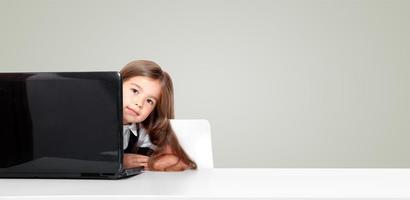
[283, 83]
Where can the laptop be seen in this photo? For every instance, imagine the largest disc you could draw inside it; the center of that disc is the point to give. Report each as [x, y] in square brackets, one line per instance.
[62, 125]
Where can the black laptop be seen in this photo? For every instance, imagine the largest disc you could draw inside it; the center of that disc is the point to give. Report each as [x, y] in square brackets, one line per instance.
[61, 125]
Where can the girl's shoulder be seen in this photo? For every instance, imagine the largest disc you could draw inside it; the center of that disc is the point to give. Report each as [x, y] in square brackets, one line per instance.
[144, 139]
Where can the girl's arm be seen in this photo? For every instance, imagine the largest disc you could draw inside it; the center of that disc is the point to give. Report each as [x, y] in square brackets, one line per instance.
[167, 161]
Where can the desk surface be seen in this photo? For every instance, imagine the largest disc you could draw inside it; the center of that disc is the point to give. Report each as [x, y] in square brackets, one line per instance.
[223, 183]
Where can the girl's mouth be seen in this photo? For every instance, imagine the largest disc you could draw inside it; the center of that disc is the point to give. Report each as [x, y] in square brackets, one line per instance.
[133, 112]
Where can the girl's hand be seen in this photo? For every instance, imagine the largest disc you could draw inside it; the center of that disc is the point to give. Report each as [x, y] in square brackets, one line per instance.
[169, 162]
[131, 160]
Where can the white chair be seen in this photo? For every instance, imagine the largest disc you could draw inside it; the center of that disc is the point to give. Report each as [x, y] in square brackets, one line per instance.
[194, 135]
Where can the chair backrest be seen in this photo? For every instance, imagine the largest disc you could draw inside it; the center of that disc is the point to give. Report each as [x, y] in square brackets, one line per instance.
[194, 135]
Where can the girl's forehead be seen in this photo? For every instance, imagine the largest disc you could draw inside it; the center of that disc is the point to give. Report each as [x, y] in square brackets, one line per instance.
[141, 79]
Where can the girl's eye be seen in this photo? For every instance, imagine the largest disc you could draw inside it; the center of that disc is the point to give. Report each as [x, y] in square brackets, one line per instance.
[135, 91]
[150, 101]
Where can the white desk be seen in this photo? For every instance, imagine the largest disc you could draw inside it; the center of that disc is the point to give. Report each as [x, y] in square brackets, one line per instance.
[223, 183]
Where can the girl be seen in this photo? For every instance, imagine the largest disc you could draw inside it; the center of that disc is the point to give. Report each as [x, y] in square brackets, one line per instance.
[148, 105]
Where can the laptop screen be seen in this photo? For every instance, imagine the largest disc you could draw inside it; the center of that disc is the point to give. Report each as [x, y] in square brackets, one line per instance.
[60, 122]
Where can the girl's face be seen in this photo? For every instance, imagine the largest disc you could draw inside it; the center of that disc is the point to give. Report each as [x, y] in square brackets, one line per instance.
[140, 96]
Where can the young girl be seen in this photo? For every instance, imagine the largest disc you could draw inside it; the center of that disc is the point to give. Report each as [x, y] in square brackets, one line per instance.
[148, 105]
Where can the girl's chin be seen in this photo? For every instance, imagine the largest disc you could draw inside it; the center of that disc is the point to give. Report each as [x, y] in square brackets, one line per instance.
[130, 119]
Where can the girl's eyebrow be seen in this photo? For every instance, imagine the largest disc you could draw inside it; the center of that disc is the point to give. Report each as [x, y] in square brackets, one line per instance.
[142, 90]
[139, 87]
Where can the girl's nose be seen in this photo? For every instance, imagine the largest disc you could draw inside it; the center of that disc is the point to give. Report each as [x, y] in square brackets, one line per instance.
[139, 105]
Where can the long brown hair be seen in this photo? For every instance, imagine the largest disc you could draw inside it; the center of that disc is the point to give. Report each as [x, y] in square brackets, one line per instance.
[157, 123]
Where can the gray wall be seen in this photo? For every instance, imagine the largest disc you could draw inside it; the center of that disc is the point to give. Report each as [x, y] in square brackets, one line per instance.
[283, 83]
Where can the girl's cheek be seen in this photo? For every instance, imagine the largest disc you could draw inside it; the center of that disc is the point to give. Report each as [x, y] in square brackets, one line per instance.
[125, 99]
[151, 109]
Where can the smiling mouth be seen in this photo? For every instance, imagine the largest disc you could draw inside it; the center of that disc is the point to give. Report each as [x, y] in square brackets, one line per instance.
[133, 111]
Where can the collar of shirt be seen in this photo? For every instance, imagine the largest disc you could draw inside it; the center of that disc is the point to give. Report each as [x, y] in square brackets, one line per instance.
[132, 128]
